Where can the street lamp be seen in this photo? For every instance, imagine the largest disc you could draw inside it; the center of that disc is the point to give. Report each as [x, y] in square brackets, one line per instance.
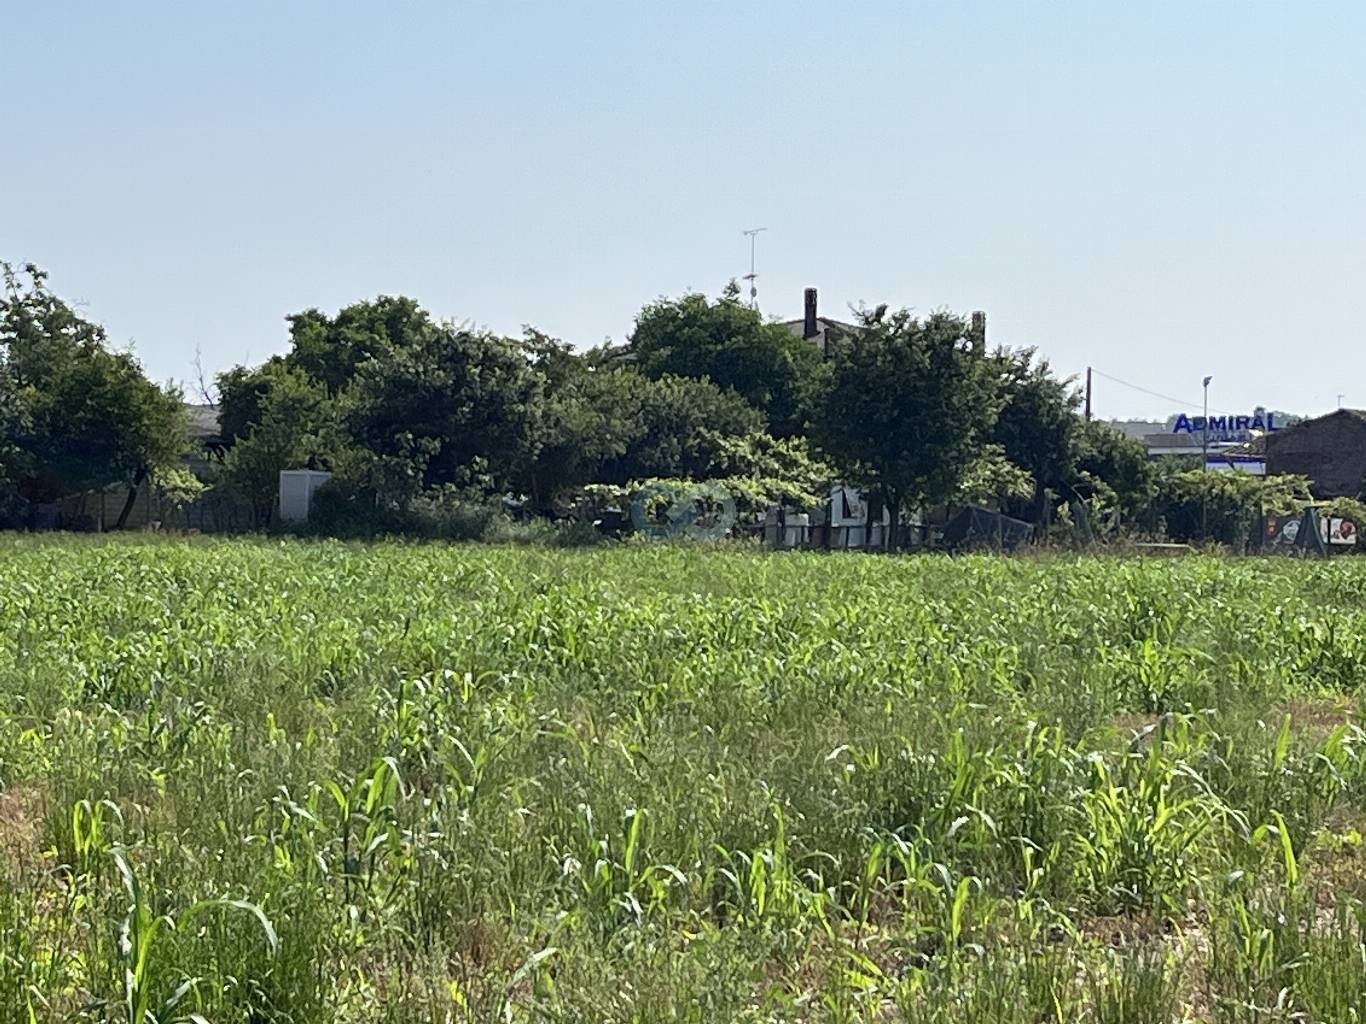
[1204, 468]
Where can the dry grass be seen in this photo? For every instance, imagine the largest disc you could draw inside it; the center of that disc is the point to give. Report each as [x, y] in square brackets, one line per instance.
[21, 822]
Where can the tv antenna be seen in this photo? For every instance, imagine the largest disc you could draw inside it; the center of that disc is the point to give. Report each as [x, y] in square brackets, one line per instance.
[753, 275]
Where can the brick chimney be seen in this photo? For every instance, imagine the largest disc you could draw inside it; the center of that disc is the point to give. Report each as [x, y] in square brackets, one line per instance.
[809, 329]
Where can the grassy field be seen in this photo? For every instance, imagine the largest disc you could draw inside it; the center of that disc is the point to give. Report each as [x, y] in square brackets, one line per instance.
[276, 781]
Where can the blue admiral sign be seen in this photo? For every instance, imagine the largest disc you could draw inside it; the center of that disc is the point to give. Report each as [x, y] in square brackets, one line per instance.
[1226, 428]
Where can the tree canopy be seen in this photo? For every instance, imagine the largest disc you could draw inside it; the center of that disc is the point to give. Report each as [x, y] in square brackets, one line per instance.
[14, 456]
[1114, 469]
[409, 411]
[82, 416]
[679, 430]
[332, 349]
[905, 405]
[914, 409]
[1037, 426]
[456, 406]
[732, 345]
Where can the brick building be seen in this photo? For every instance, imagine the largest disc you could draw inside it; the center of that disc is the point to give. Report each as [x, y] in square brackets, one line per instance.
[1329, 450]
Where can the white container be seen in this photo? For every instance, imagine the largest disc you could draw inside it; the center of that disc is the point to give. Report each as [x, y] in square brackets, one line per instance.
[296, 492]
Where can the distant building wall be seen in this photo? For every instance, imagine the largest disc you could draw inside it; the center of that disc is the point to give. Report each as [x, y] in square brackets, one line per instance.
[1330, 451]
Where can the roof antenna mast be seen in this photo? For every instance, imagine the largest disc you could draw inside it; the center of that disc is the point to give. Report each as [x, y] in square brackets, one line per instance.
[753, 275]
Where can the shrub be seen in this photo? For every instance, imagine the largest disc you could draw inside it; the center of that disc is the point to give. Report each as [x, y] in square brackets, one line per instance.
[450, 513]
[438, 513]
[1225, 507]
[338, 510]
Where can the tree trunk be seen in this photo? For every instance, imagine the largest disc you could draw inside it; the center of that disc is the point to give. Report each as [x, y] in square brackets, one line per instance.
[1040, 501]
[536, 494]
[132, 498]
[873, 518]
[893, 520]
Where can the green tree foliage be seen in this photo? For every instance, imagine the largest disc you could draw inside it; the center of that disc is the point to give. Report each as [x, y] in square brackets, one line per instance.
[242, 391]
[1227, 508]
[1353, 509]
[455, 407]
[1114, 470]
[763, 471]
[91, 418]
[14, 458]
[556, 362]
[905, 406]
[332, 349]
[325, 350]
[177, 487]
[1037, 425]
[679, 427]
[726, 341]
[993, 477]
[604, 422]
[590, 417]
[393, 401]
[294, 428]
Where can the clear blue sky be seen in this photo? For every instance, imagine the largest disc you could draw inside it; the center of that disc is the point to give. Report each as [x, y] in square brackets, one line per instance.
[1162, 190]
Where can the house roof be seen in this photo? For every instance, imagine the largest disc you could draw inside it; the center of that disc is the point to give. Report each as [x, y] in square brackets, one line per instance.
[203, 422]
[824, 323]
[1190, 444]
[1253, 447]
[1171, 441]
[1355, 414]
[1137, 429]
[1359, 414]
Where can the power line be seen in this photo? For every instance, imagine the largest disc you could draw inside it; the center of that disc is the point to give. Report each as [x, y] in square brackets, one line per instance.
[1156, 394]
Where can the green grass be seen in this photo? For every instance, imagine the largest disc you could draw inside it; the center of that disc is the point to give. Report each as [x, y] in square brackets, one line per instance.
[277, 781]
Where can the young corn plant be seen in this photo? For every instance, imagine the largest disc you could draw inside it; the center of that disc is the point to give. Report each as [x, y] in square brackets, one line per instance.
[1144, 834]
[141, 943]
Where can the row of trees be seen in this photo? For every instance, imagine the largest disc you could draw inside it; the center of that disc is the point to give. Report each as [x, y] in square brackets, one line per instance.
[405, 409]
[916, 410]
[397, 405]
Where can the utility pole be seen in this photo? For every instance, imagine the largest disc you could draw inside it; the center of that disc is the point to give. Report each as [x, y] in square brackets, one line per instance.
[1204, 468]
[753, 275]
[1088, 393]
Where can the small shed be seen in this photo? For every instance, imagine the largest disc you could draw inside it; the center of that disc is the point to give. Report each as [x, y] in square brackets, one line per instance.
[296, 492]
